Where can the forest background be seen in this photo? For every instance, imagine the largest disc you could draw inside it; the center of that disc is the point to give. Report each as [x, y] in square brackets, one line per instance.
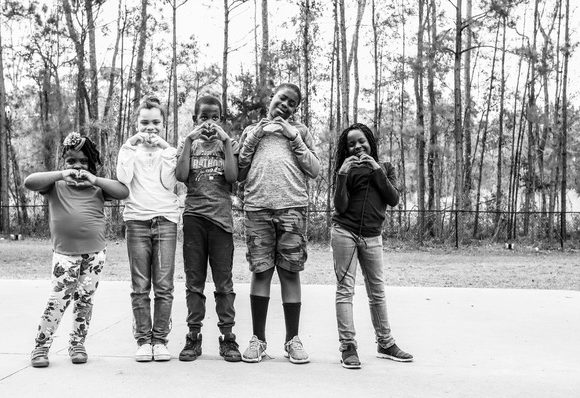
[473, 101]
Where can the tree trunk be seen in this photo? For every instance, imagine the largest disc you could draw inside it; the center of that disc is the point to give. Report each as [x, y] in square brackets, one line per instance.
[80, 60]
[353, 57]
[403, 184]
[468, 118]
[4, 161]
[225, 60]
[120, 31]
[458, 130]
[433, 153]
[563, 187]
[498, 192]
[345, 68]
[140, 55]
[339, 121]
[174, 65]
[376, 68]
[529, 203]
[307, 15]
[420, 114]
[265, 58]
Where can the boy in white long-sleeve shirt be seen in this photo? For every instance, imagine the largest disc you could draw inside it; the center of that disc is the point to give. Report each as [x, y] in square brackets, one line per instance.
[146, 165]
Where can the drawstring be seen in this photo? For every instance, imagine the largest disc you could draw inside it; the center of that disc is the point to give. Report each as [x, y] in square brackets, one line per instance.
[358, 238]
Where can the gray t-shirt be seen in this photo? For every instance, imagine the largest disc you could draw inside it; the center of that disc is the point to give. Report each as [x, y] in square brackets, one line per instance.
[279, 169]
[77, 219]
[208, 192]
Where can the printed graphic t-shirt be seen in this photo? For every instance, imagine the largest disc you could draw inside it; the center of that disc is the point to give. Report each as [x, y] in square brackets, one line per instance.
[208, 192]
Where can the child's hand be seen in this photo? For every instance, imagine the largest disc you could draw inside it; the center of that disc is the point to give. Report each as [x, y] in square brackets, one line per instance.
[220, 133]
[138, 139]
[156, 140]
[258, 129]
[288, 130]
[368, 161]
[196, 133]
[85, 179]
[348, 164]
[70, 176]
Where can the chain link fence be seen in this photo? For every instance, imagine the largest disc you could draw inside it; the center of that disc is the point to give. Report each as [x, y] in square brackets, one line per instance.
[442, 227]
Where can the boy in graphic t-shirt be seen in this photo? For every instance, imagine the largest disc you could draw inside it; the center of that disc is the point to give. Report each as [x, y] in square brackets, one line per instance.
[207, 164]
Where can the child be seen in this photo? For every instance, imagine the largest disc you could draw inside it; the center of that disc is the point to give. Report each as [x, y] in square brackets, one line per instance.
[76, 199]
[363, 190]
[147, 166]
[276, 159]
[208, 165]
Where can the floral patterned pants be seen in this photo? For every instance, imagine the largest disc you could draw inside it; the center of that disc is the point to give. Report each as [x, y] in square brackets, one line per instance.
[73, 278]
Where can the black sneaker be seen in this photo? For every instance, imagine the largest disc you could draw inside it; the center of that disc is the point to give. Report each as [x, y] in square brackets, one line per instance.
[192, 348]
[394, 353]
[229, 349]
[350, 357]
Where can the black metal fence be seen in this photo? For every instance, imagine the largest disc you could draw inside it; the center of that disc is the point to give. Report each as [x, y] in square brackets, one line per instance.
[442, 227]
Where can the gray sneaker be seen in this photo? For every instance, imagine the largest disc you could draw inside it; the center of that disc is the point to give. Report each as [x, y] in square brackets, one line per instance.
[39, 357]
[255, 351]
[78, 354]
[295, 351]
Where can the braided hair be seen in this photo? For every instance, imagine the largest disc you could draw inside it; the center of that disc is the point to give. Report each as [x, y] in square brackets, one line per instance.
[342, 146]
[75, 142]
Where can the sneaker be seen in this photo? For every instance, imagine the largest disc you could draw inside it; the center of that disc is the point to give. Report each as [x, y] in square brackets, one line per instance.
[78, 354]
[161, 353]
[192, 348]
[255, 351]
[394, 353]
[144, 353]
[39, 357]
[229, 349]
[295, 351]
[350, 357]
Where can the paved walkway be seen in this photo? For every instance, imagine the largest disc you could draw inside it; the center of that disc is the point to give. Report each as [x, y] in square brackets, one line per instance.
[467, 343]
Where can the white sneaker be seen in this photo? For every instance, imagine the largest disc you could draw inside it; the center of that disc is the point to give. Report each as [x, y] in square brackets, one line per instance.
[144, 353]
[161, 353]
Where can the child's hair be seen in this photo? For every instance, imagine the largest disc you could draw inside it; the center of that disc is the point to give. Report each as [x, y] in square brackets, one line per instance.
[207, 100]
[149, 102]
[75, 142]
[342, 146]
[291, 87]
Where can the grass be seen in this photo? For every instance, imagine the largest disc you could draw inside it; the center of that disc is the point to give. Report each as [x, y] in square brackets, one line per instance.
[481, 267]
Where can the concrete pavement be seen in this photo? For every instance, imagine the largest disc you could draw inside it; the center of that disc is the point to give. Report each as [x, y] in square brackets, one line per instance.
[466, 343]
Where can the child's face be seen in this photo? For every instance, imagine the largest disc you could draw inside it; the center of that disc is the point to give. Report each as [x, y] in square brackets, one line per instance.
[150, 121]
[208, 113]
[76, 160]
[284, 103]
[357, 143]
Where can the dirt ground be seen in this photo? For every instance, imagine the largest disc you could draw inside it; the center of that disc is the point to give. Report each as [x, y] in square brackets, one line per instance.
[488, 267]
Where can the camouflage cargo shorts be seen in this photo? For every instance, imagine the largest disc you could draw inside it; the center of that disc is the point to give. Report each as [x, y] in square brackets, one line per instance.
[276, 238]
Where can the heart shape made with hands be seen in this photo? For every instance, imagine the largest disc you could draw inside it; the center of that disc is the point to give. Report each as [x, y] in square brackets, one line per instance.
[272, 128]
[208, 132]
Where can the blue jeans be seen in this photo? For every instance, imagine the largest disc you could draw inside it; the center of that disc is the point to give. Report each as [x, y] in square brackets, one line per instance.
[151, 246]
[203, 240]
[346, 249]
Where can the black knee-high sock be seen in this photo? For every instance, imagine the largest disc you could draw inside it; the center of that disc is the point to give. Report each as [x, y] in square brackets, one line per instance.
[259, 307]
[292, 318]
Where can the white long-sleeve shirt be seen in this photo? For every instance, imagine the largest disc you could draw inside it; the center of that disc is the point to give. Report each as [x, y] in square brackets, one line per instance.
[149, 173]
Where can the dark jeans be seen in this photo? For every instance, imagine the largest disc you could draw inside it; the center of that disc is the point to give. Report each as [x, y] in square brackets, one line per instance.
[151, 246]
[203, 240]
